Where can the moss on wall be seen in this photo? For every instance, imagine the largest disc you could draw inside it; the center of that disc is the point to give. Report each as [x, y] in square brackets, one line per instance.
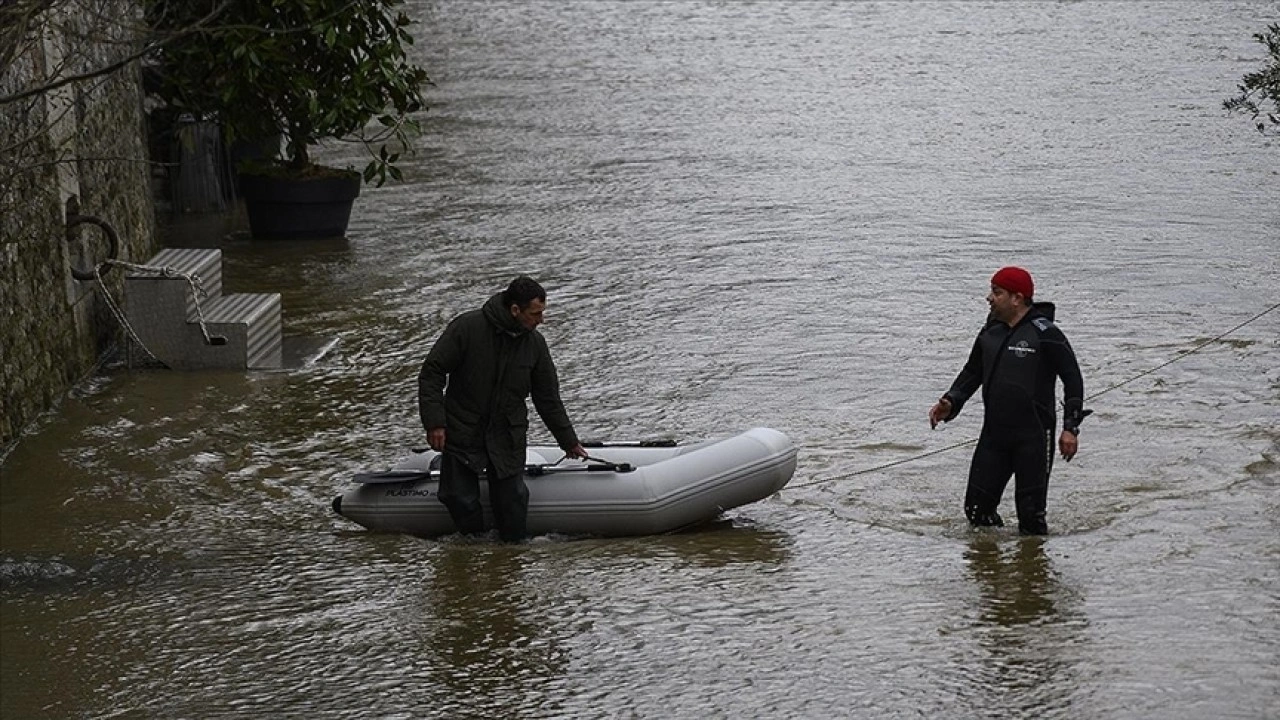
[87, 141]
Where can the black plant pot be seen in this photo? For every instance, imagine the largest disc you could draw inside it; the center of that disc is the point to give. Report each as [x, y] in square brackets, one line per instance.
[299, 208]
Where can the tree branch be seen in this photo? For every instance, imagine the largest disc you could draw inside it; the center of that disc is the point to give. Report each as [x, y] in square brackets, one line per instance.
[109, 68]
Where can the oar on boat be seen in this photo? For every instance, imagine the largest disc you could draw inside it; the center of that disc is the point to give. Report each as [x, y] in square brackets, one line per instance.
[402, 476]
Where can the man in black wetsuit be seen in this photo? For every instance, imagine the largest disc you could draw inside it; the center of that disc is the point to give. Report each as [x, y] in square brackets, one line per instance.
[1016, 360]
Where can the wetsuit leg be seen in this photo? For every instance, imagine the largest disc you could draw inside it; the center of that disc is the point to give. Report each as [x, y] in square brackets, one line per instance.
[460, 493]
[1032, 462]
[989, 472]
[509, 497]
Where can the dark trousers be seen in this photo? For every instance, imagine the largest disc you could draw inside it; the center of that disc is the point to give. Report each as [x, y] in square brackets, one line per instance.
[1027, 455]
[460, 493]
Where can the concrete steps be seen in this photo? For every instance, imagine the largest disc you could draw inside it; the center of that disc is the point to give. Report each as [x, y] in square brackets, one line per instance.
[164, 307]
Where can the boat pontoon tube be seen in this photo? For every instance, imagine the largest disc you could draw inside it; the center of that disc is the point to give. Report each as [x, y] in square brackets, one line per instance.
[665, 488]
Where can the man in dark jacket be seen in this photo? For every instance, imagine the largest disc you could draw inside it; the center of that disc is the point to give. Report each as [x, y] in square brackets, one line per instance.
[492, 359]
[1016, 360]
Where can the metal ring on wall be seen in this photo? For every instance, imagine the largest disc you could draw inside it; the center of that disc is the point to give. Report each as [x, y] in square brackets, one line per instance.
[113, 241]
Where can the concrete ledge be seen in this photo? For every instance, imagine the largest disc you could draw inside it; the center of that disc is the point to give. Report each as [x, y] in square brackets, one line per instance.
[204, 263]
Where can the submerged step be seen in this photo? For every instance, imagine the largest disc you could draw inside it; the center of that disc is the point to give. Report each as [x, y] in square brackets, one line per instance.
[252, 326]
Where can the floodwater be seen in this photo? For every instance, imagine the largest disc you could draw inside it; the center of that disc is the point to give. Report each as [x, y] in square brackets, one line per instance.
[773, 213]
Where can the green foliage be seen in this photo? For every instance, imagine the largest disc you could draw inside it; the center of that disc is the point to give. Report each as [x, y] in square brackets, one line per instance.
[1260, 91]
[310, 69]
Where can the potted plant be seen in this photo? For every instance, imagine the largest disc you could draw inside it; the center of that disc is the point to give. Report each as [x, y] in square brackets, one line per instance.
[303, 70]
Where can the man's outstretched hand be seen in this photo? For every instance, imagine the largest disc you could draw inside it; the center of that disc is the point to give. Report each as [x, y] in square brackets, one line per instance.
[940, 411]
[1068, 444]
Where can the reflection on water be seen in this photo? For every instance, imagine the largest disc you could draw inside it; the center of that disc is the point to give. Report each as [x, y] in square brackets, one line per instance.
[1018, 584]
[1028, 626]
[485, 639]
[711, 545]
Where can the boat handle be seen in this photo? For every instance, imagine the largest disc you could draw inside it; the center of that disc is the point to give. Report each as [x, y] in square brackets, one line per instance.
[601, 465]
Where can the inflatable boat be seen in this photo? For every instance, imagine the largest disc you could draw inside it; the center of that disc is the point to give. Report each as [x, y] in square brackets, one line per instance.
[640, 488]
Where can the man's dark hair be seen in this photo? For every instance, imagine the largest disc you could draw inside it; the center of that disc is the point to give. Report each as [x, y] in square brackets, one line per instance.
[522, 291]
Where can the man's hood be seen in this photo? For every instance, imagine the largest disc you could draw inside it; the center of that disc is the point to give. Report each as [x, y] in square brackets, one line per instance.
[1043, 308]
[501, 318]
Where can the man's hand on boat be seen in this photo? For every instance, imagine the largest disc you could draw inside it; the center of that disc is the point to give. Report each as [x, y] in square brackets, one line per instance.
[435, 438]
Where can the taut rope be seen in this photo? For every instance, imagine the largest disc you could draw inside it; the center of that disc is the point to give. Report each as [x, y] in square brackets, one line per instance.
[971, 441]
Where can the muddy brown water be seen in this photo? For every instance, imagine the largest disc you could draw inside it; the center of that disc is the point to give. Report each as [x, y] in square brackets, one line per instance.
[778, 214]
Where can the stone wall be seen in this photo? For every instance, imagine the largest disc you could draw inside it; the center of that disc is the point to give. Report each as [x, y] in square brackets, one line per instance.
[82, 144]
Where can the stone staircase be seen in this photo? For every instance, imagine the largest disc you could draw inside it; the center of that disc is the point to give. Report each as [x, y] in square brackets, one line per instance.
[241, 331]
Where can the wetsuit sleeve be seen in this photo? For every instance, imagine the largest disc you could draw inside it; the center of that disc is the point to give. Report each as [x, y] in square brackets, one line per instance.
[1063, 361]
[967, 382]
[443, 358]
[545, 392]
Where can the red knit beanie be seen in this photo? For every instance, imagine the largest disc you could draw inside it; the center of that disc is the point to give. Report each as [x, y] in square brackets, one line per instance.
[1015, 280]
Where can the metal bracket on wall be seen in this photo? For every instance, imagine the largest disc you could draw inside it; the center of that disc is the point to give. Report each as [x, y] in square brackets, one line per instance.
[74, 220]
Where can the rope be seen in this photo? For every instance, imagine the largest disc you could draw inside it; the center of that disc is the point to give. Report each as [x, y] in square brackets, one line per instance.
[971, 441]
[1185, 354]
[115, 310]
[193, 280]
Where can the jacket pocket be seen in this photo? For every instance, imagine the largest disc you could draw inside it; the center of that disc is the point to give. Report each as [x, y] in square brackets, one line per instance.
[520, 379]
[518, 418]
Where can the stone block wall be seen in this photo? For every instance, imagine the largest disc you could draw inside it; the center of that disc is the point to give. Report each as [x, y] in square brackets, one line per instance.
[82, 144]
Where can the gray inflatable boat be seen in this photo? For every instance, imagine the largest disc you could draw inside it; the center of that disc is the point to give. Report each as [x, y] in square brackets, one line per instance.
[625, 489]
